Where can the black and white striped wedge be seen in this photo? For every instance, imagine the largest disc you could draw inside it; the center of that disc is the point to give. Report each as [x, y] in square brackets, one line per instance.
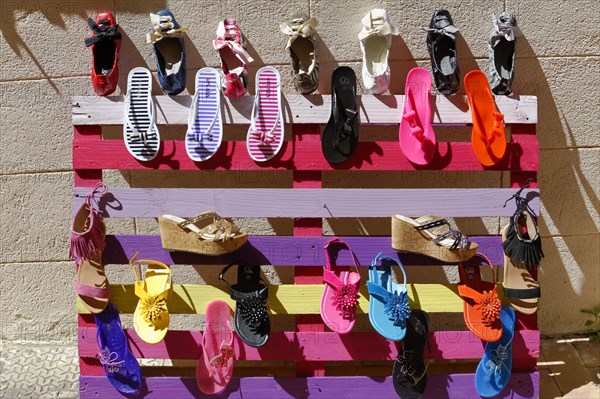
[139, 130]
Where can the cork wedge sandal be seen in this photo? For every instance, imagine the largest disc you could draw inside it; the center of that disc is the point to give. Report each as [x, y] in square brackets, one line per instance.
[204, 234]
[431, 236]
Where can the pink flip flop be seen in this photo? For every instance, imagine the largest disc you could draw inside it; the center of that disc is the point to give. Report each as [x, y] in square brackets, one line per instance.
[215, 366]
[340, 297]
[265, 136]
[417, 138]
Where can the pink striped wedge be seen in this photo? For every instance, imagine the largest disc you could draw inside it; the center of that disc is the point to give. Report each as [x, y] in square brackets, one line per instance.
[265, 136]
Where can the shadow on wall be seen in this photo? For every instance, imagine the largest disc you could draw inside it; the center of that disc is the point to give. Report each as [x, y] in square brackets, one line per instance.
[564, 186]
[54, 11]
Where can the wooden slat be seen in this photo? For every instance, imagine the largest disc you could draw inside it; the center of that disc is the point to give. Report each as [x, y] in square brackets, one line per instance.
[522, 155]
[520, 386]
[285, 299]
[301, 109]
[152, 202]
[324, 346]
[282, 251]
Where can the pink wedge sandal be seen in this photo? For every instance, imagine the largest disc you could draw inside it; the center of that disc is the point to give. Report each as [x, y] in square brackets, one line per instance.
[340, 297]
[417, 138]
[215, 366]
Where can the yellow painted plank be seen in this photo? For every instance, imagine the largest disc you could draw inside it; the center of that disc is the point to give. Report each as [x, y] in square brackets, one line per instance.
[285, 299]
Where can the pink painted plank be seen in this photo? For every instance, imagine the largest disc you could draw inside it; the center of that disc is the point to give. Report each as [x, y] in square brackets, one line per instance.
[323, 346]
[311, 203]
[91, 133]
[282, 251]
[523, 154]
[520, 386]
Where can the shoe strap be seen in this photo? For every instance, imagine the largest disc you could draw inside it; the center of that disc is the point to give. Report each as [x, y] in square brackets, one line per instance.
[164, 26]
[102, 31]
[137, 135]
[230, 36]
[379, 258]
[299, 27]
[410, 115]
[522, 293]
[220, 228]
[505, 27]
[264, 137]
[336, 240]
[376, 23]
[460, 240]
[92, 291]
[194, 113]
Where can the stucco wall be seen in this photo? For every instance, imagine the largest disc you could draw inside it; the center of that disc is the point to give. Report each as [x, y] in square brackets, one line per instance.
[44, 63]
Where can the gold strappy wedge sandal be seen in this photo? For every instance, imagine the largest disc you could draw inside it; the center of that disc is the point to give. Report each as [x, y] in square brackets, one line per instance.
[205, 234]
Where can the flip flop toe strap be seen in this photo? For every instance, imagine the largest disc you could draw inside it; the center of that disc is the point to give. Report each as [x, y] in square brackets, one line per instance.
[252, 307]
[498, 357]
[496, 131]
[415, 130]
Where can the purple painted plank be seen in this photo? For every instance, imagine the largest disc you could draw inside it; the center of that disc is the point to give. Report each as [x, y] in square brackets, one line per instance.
[520, 386]
[280, 251]
[311, 203]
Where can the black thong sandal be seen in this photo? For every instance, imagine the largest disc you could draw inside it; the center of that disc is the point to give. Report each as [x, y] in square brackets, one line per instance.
[251, 320]
[410, 370]
[340, 135]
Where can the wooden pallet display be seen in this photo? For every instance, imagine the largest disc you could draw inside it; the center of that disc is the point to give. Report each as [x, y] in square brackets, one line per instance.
[316, 353]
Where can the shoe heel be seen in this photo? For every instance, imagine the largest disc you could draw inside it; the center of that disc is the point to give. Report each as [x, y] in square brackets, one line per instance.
[172, 237]
[406, 238]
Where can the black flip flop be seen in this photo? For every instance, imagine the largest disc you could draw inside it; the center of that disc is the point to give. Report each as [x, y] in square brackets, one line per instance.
[251, 320]
[340, 135]
[410, 371]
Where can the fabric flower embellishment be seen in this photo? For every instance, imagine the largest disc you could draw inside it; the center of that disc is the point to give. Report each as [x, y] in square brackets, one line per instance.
[222, 359]
[152, 307]
[253, 310]
[490, 306]
[345, 298]
[396, 306]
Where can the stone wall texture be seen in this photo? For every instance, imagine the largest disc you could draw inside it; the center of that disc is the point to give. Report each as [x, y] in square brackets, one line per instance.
[44, 63]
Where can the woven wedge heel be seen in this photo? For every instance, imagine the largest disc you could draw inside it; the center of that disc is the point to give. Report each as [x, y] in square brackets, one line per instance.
[205, 234]
[431, 236]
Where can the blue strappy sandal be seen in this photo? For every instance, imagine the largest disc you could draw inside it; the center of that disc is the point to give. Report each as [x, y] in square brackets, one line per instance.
[120, 366]
[388, 302]
[493, 371]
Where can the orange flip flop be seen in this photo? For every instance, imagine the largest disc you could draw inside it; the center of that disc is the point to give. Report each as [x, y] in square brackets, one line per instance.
[482, 305]
[488, 136]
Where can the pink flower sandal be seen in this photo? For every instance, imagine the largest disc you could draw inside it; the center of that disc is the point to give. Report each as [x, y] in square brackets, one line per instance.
[340, 297]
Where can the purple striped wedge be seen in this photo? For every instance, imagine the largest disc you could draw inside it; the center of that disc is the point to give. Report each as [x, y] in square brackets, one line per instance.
[205, 125]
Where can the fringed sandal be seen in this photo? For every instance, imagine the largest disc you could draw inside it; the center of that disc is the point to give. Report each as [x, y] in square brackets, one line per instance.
[87, 242]
[522, 255]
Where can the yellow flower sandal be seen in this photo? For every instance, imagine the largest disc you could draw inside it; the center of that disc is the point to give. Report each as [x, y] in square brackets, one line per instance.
[151, 316]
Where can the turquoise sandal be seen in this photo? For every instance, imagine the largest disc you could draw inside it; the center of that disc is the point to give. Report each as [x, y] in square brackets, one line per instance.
[388, 302]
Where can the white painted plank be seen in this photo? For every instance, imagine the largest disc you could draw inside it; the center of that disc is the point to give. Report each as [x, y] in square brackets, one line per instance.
[322, 203]
[378, 110]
